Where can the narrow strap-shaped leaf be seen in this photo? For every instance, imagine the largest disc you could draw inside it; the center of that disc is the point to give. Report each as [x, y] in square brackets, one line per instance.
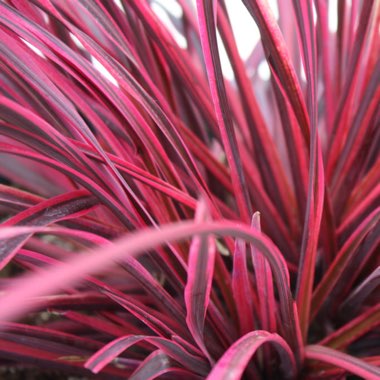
[142, 175]
[152, 286]
[352, 220]
[356, 266]
[29, 354]
[154, 365]
[70, 272]
[241, 288]
[235, 360]
[279, 60]
[110, 351]
[86, 182]
[294, 143]
[96, 323]
[76, 301]
[61, 50]
[354, 301]
[132, 87]
[178, 60]
[339, 359]
[37, 79]
[43, 137]
[264, 283]
[326, 64]
[344, 110]
[83, 129]
[314, 206]
[353, 330]
[360, 192]
[49, 333]
[266, 154]
[131, 303]
[312, 226]
[115, 188]
[270, 214]
[15, 231]
[140, 311]
[18, 198]
[201, 263]
[341, 261]
[265, 293]
[207, 26]
[46, 212]
[331, 372]
[346, 173]
[341, 65]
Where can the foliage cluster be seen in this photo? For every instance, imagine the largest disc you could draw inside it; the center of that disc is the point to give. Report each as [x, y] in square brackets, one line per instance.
[159, 220]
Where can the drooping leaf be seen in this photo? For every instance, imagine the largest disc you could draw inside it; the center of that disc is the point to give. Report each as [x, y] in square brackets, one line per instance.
[45, 213]
[235, 360]
[68, 273]
[155, 365]
[110, 351]
[349, 363]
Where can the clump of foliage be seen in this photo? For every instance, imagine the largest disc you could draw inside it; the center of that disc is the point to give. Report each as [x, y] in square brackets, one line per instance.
[160, 220]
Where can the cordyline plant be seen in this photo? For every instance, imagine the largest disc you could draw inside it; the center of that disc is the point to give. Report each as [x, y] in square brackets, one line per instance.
[159, 220]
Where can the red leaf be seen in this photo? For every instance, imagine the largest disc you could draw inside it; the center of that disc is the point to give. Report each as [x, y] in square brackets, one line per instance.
[279, 60]
[17, 298]
[199, 281]
[349, 363]
[266, 154]
[337, 267]
[110, 351]
[264, 284]
[155, 365]
[47, 212]
[207, 26]
[316, 186]
[241, 288]
[353, 330]
[235, 360]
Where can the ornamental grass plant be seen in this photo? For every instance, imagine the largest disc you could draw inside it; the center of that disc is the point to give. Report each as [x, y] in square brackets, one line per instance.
[162, 220]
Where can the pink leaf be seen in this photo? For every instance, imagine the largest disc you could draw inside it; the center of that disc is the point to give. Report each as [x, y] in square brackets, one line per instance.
[198, 287]
[349, 363]
[235, 360]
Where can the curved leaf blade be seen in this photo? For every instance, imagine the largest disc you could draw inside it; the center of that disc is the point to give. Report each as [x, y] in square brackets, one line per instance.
[235, 360]
[339, 359]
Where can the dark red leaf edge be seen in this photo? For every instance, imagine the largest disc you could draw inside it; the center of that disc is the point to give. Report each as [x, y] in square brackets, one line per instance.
[111, 350]
[235, 360]
[241, 288]
[316, 186]
[342, 259]
[141, 241]
[201, 262]
[339, 359]
[155, 365]
[47, 212]
[264, 284]
[207, 29]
